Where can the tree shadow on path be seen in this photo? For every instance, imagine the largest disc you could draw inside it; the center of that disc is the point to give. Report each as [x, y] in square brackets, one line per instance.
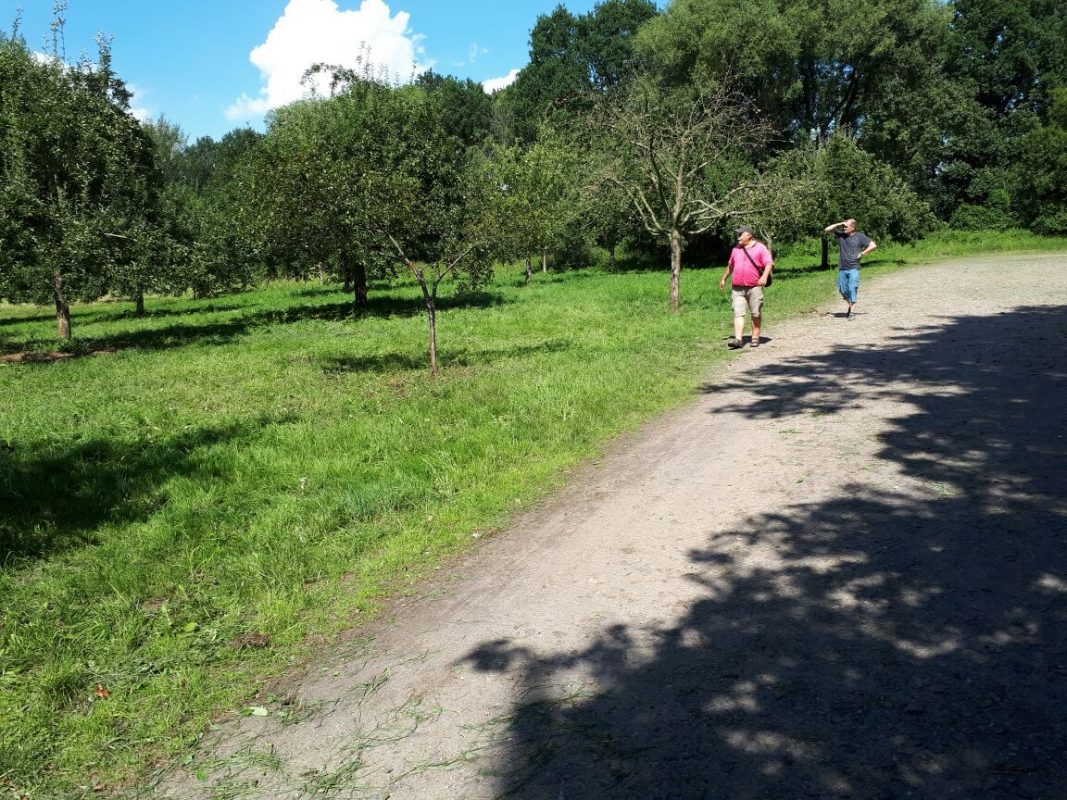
[895, 644]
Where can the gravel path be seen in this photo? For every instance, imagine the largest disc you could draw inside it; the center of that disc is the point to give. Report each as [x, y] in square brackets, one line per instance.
[842, 572]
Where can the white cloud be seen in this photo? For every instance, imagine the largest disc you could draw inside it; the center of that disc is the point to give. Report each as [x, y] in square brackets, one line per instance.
[496, 84]
[141, 113]
[313, 31]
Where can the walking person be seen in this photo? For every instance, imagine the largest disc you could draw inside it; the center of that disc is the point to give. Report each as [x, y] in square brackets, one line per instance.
[852, 246]
[750, 264]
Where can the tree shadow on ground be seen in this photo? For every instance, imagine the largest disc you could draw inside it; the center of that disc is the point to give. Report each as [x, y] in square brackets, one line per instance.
[381, 307]
[226, 332]
[158, 313]
[56, 498]
[5, 321]
[888, 643]
[163, 338]
[785, 273]
[450, 357]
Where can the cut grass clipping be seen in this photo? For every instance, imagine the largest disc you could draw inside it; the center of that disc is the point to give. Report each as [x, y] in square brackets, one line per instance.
[195, 497]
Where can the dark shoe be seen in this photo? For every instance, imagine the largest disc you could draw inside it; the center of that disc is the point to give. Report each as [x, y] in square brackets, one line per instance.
[733, 344]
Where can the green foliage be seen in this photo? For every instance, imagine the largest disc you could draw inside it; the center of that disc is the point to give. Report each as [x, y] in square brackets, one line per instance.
[207, 165]
[572, 58]
[368, 180]
[466, 109]
[312, 182]
[538, 202]
[1042, 181]
[991, 217]
[605, 40]
[810, 187]
[813, 67]
[1010, 51]
[202, 242]
[76, 173]
[683, 158]
[1007, 59]
[556, 79]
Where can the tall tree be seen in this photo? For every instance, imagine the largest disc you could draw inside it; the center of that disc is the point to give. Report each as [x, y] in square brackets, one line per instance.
[76, 173]
[556, 79]
[813, 67]
[572, 58]
[430, 197]
[467, 109]
[1043, 164]
[832, 180]
[539, 198]
[606, 40]
[1008, 58]
[310, 198]
[683, 159]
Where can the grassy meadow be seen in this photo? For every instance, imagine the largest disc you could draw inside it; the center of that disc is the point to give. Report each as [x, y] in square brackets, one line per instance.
[197, 499]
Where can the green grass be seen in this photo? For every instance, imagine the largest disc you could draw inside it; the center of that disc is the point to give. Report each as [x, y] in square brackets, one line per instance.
[262, 469]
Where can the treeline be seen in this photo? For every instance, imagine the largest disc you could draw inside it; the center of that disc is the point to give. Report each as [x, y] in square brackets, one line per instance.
[628, 124]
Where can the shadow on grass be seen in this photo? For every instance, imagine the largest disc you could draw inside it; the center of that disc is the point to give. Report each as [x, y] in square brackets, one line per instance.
[394, 362]
[226, 332]
[893, 644]
[4, 321]
[56, 498]
[381, 307]
[160, 313]
[317, 291]
[785, 273]
[161, 338]
[556, 277]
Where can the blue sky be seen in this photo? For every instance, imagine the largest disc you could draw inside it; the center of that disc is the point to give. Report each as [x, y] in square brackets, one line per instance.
[191, 60]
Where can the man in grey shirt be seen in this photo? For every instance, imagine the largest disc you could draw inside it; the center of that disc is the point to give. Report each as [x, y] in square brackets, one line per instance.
[852, 246]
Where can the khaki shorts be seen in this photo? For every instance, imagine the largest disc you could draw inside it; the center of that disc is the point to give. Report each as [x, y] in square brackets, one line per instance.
[750, 298]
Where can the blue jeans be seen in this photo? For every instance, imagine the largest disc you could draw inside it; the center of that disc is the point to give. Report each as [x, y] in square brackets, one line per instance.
[848, 283]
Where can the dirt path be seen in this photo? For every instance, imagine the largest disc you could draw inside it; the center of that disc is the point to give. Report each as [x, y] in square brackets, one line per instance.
[842, 572]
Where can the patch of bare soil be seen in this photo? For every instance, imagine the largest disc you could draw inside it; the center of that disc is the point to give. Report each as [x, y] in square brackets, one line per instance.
[840, 572]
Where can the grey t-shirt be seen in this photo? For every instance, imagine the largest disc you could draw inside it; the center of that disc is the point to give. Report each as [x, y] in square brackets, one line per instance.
[850, 247]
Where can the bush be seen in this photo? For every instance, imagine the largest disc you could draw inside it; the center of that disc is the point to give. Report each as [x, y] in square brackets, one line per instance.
[971, 217]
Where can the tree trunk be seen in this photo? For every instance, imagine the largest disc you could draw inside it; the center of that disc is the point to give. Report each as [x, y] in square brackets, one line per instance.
[322, 275]
[431, 316]
[611, 257]
[359, 284]
[825, 254]
[529, 268]
[544, 261]
[139, 301]
[62, 309]
[676, 269]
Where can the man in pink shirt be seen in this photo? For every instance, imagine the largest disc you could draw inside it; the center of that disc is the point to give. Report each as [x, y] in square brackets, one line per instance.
[751, 264]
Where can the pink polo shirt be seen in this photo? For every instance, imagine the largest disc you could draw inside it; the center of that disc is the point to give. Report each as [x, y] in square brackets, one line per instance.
[745, 274]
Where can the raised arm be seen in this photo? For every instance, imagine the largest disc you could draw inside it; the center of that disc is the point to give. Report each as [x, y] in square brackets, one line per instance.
[830, 228]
